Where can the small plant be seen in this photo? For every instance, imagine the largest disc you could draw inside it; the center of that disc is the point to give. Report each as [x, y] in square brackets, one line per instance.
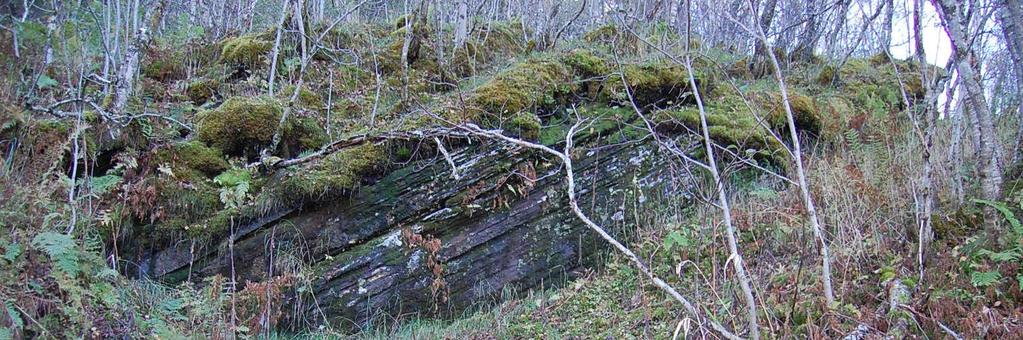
[234, 187]
[989, 259]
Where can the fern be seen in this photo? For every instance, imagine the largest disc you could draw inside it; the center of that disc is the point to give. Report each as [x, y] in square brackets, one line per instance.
[1002, 256]
[14, 315]
[1009, 216]
[852, 137]
[104, 184]
[11, 251]
[61, 250]
[984, 279]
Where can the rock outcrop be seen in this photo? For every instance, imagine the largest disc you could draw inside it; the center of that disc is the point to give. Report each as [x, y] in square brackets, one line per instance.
[419, 240]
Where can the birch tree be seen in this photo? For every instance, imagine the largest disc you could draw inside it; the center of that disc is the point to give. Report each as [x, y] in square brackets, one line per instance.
[956, 23]
[804, 187]
[132, 56]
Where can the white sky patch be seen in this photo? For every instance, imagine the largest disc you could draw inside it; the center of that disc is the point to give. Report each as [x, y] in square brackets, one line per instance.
[937, 46]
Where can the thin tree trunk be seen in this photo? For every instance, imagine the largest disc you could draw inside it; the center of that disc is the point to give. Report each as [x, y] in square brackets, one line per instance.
[886, 30]
[758, 66]
[1010, 16]
[924, 231]
[285, 7]
[956, 26]
[804, 187]
[461, 23]
[952, 20]
[249, 13]
[133, 54]
[719, 186]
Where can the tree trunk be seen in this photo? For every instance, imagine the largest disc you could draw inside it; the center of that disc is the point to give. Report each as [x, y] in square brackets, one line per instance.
[461, 23]
[811, 34]
[804, 186]
[132, 55]
[886, 30]
[952, 20]
[924, 211]
[719, 186]
[1010, 16]
[759, 66]
[285, 6]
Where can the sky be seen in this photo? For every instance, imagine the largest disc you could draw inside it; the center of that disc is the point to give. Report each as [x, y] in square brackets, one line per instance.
[937, 46]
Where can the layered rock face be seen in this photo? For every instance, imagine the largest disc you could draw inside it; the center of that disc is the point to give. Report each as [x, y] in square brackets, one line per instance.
[421, 239]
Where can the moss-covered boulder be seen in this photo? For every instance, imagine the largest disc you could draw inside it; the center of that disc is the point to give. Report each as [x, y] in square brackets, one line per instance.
[804, 110]
[653, 85]
[525, 125]
[242, 126]
[193, 155]
[586, 64]
[249, 50]
[535, 83]
[202, 90]
[729, 124]
[491, 43]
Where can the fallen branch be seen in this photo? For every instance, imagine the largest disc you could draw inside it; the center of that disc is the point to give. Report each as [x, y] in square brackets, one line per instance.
[367, 139]
[119, 119]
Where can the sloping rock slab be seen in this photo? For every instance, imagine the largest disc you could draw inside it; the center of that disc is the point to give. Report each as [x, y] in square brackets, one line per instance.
[419, 240]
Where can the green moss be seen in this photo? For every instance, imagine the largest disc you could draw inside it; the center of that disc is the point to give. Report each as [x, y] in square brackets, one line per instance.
[804, 110]
[304, 133]
[202, 90]
[306, 98]
[611, 35]
[525, 125]
[586, 64]
[486, 45]
[193, 155]
[533, 83]
[955, 225]
[332, 175]
[879, 59]
[875, 87]
[240, 125]
[244, 125]
[652, 84]
[184, 201]
[249, 50]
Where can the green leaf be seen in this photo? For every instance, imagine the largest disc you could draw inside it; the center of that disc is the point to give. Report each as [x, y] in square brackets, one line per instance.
[11, 252]
[677, 239]
[61, 249]
[984, 279]
[6, 334]
[45, 82]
